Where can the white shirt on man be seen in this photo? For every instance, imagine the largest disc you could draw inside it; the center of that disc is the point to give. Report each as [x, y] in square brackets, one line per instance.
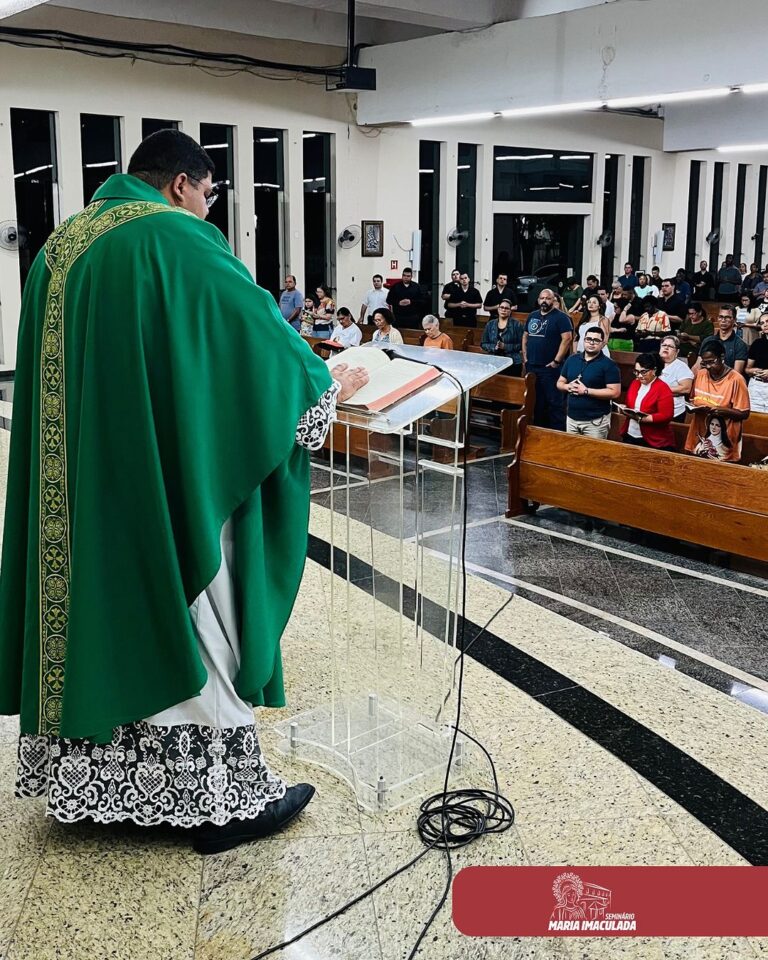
[373, 300]
[672, 374]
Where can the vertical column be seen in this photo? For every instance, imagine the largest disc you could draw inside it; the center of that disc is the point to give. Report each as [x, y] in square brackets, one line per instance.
[727, 211]
[593, 224]
[10, 287]
[750, 207]
[483, 275]
[244, 208]
[131, 136]
[449, 192]
[623, 210]
[294, 182]
[70, 162]
[706, 185]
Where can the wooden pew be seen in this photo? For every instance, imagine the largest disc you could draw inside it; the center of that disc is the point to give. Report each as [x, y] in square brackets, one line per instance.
[717, 505]
[517, 394]
[754, 446]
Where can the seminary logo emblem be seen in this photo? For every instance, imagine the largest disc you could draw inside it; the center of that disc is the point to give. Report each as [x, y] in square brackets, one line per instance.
[581, 905]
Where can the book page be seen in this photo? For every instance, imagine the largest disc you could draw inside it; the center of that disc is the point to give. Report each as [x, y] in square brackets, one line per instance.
[369, 357]
[390, 383]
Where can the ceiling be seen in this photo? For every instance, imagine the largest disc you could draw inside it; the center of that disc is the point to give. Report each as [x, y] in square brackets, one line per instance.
[322, 22]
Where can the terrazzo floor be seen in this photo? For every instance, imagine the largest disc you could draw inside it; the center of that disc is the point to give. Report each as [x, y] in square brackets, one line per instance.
[538, 690]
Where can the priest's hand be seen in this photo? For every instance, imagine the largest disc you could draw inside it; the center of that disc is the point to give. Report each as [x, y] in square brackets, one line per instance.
[351, 380]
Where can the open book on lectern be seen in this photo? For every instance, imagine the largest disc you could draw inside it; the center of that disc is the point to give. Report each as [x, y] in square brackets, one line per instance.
[390, 380]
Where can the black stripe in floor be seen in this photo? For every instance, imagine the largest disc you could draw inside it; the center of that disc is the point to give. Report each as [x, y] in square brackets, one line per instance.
[726, 811]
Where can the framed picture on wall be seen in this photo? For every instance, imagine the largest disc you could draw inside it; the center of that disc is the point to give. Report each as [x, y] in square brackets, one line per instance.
[669, 236]
[373, 238]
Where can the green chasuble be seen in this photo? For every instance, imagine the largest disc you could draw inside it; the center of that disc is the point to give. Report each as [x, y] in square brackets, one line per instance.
[157, 394]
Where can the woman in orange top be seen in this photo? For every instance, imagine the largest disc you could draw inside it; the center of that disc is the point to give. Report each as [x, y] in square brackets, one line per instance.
[432, 335]
[718, 389]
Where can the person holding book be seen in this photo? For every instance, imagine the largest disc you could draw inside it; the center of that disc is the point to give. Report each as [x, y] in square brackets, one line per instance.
[307, 317]
[385, 334]
[590, 381]
[347, 332]
[432, 335]
[720, 389]
[649, 408]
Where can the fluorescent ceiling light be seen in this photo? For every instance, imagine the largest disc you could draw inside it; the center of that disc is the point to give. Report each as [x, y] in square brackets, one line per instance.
[308, 136]
[218, 146]
[568, 186]
[529, 156]
[755, 88]
[543, 188]
[575, 156]
[107, 163]
[26, 173]
[464, 166]
[743, 148]
[307, 180]
[457, 118]
[269, 139]
[681, 97]
[276, 186]
[553, 108]
[426, 171]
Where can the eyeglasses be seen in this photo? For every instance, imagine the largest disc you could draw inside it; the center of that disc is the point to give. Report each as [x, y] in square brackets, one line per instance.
[593, 340]
[709, 363]
[216, 188]
[724, 316]
[641, 373]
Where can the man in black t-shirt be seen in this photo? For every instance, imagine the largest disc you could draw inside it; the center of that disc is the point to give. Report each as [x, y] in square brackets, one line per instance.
[449, 292]
[498, 293]
[673, 305]
[407, 301]
[468, 301]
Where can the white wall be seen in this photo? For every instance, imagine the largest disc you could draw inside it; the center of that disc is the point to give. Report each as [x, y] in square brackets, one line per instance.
[604, 51]
[376, 171]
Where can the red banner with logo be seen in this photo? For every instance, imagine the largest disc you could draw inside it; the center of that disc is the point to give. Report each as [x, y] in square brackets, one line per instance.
[611, 901]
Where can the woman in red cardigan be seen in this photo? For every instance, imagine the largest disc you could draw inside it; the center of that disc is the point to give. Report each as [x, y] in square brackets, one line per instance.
[654, 399]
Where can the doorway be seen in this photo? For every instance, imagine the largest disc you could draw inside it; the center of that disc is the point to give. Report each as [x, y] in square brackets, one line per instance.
[537, 250]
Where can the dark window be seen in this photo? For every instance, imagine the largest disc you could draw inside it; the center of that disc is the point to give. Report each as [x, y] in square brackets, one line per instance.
[35, 180]
[429, 217]
[637, 200]
[151, 125]
[466, 207]
[610, 197]
[762, 184]
[738, 223]
[100, 142]
[269, 206]
[694, 186]
[319, 264]
[218, 142]
[717, 203]
[523, 173]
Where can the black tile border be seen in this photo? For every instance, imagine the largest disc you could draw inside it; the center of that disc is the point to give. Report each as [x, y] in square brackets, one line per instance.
[734, 817]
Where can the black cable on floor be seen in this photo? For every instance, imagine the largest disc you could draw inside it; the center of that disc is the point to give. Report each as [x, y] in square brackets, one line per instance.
[453, 818]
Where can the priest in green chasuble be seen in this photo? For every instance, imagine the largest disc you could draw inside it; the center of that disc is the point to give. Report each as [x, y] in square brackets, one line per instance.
[157, 507]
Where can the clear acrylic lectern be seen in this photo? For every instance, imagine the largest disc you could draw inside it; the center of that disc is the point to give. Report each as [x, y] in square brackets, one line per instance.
[391, 603]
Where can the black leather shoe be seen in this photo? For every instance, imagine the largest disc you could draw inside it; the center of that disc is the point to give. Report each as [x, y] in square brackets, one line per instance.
[276, 815]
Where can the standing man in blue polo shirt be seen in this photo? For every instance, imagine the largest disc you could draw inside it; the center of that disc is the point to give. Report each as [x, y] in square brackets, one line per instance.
[546, 345]
[628, 279]
[290, 302]
[590, 380]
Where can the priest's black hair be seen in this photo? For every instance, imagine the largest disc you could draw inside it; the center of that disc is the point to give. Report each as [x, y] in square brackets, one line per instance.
[163, 155]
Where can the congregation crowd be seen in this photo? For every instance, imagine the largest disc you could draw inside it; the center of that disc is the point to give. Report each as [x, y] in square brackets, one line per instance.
[689, 364]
